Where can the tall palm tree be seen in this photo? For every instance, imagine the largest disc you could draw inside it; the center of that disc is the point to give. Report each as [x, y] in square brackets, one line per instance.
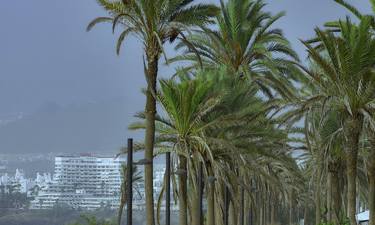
[371, 136]
[246, 43]
[326, 160]
[218, 120]
[184, 104]
[153, 22]
[345, 83]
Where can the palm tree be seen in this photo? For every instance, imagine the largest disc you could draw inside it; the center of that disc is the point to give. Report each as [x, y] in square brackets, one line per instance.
[325, 161]
[184, 103]
[245, 42]
[218, 120]
[371, 158]
[335, 25]
[345, 84]
[153, 22]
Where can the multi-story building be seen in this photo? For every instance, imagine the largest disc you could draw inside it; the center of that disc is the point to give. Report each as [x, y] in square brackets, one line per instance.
[90, 182]
[83, 181]
[16, 183]
[96, 175]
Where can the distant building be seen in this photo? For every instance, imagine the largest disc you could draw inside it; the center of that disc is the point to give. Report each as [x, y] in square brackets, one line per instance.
[89, 182]
[83, 181]
[16, 183]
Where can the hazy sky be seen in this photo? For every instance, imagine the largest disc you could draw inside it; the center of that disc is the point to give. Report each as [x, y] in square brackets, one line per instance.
[47, 56]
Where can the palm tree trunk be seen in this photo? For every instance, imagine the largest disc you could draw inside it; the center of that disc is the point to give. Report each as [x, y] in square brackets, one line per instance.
[372, 195]
[291, 213]
[329, 195]
[267, 207]
[252, 210]
[150, 111]
[211, 205]
[352, 133]
[182, 200]
[352, 189]
[232, 213]
[371, 179]
[194, 210]
[306, 214]
[273, 206]
[247, 209]
[260, 217]
[317, 202]
[336, 196]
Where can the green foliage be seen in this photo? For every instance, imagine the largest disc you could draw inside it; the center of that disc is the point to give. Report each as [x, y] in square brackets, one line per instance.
[245, 42]
[219, 120]
[92, 220]
[10, 198]
[234, 106]
[154, 22]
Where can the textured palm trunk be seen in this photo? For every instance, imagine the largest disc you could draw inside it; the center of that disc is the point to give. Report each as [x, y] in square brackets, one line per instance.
[267, 211]
[211, 203]
[150, 111]
[371, 179]
[344, 193]
[329, 196]
[352, 189]
[336, 195]
[233, 215]
[317, 202]
[182, 200]
[352, 133]
[372, 195]
[247, 209]
[272, 211]
[194, 210]
[261, 206]
[290, 213]
[219, 213]
[306, 215]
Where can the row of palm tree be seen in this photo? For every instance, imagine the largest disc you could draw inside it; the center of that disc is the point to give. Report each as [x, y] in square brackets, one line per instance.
[278, 139]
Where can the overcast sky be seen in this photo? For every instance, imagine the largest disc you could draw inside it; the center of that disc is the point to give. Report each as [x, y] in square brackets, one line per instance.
[47, 56]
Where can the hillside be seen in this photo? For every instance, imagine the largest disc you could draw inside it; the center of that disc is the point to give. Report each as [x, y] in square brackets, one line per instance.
[88, 127]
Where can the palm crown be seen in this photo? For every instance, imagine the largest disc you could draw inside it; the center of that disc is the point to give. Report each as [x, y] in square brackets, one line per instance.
[154, 21]
[246, 43]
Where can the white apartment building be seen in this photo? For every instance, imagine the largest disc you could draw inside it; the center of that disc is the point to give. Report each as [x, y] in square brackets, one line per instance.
[90, 182]
[96, 175]
[17, 183]
[83, 181]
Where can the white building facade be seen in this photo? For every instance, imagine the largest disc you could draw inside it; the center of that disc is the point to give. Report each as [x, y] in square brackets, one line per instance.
[91, 182]
[83, 181]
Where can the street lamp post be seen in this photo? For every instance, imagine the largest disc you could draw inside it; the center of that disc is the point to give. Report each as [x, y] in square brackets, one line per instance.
[130, 182]
[168, 188]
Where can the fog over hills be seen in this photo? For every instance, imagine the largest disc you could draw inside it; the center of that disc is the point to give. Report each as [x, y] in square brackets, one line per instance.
[87, 127]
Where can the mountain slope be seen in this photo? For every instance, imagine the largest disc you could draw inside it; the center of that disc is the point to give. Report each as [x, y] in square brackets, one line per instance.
[88, 127]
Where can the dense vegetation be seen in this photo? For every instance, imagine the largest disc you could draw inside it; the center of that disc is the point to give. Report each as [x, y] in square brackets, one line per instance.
[237, 104]
[11, 198]
[67, 216]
